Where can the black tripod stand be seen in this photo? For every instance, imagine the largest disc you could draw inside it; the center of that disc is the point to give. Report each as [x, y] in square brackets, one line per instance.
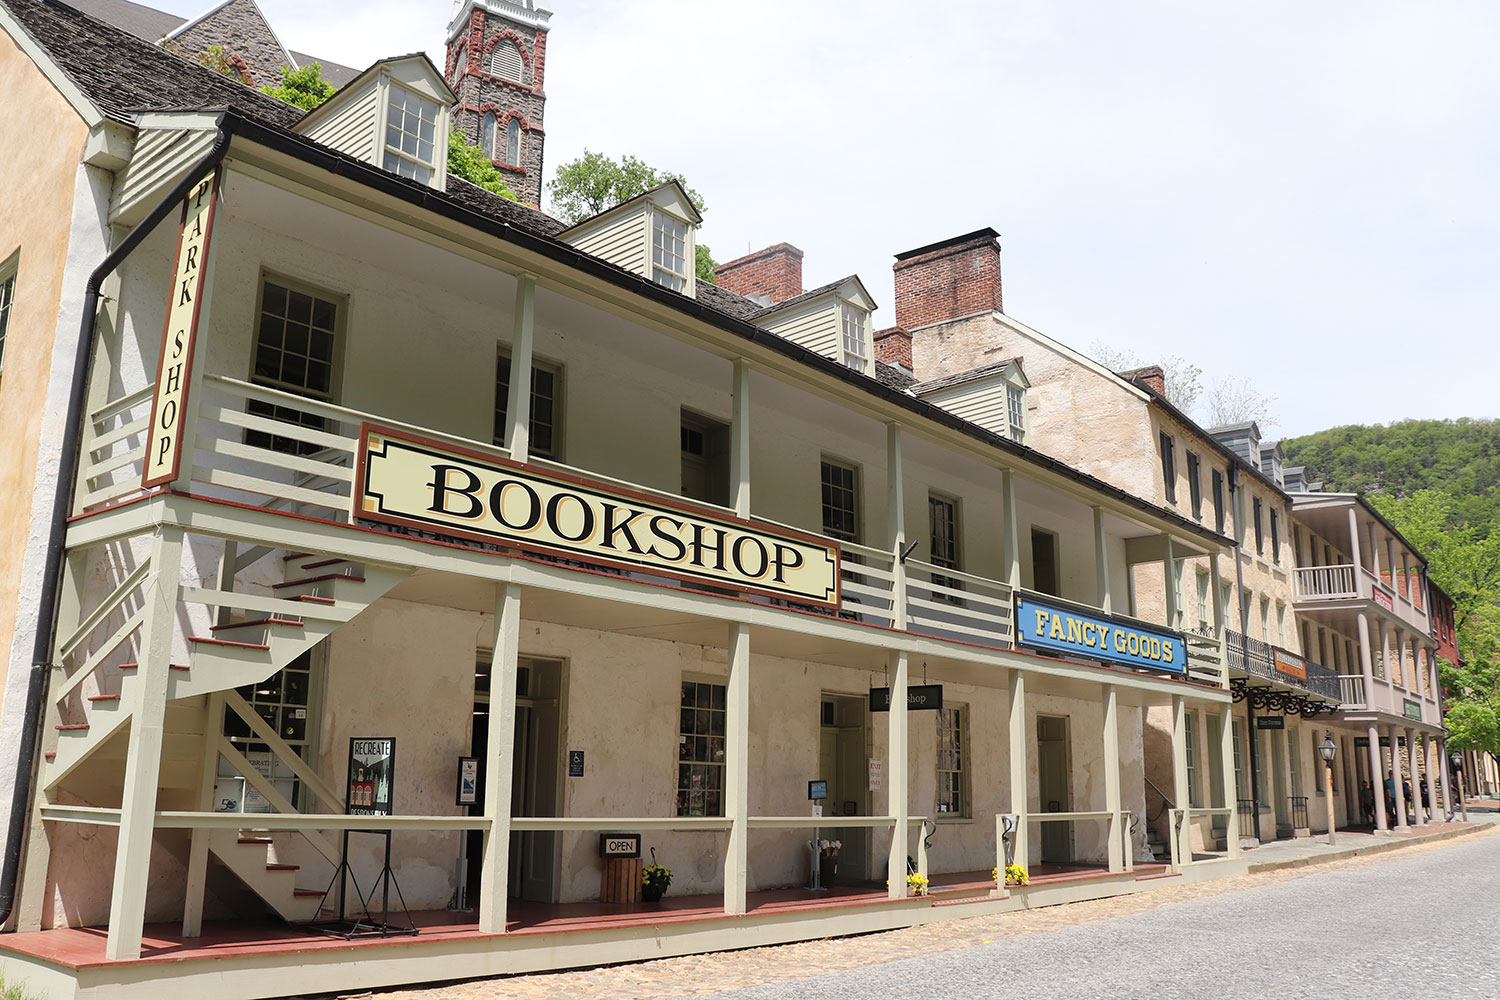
[348, 928]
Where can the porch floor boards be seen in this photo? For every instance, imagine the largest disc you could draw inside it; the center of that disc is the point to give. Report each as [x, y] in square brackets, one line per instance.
[83, 947]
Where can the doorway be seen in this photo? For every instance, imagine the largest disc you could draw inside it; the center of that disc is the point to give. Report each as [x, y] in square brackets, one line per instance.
[1055, 786]
[535, 776]
[1278, 790]
[842, 762]
[1044, 562]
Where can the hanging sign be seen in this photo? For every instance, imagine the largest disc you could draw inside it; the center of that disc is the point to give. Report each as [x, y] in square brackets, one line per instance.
[1287, 663]
[1412, 709]
[1362, 741]
[415, 482]
[918, 697]
[174, 365]
[372, 765]
[619, 845]
[468, 781]
[1047, 623]
[1383, 599]
[1270, 722]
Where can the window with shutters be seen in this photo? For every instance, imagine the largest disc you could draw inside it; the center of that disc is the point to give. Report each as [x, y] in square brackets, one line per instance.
[1218, 501]
[505, 62]
[1168, 467]
[1260, 528]
[1275, 539]
[1195, 485]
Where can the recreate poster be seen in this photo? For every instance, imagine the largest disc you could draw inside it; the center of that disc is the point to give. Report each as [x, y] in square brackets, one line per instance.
[179, 335]
[372, 767]
[414, 482]
[1048, 623]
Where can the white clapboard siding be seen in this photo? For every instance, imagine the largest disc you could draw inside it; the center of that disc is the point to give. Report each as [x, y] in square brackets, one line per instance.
[162, 157]
[981, 401]
[814, 325]
[352, 128]
[619, 239]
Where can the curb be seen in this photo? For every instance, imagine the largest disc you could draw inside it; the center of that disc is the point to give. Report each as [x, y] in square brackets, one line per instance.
[1369, 849]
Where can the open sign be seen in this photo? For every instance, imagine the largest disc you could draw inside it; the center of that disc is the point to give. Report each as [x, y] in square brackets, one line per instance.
[619, 845]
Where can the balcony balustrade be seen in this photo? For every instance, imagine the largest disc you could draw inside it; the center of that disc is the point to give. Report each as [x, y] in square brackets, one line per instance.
[1326, 583]
[1253, 656]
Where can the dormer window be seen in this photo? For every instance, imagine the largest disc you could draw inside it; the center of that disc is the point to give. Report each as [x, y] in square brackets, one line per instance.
[1015, 407]
[669, 251]
[856, 349]
[411, 125]
[505, 62]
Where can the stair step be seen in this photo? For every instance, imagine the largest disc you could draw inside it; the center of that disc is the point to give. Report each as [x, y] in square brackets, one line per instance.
[256, 840]
[324, 562]
[292, 556]
[259, 622]
[136, 666]
[309, 893]
[313, 599]
[73, 727]
[303, 581]
[50, 755]
[282, 868]
[104, 697]
[204, 640]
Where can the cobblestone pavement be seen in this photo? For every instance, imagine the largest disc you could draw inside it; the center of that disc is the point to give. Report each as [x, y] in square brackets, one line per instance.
[1302, 913]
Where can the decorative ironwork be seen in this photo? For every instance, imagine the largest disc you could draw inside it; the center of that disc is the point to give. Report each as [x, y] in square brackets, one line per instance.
[1299, 812]
[1252, 656]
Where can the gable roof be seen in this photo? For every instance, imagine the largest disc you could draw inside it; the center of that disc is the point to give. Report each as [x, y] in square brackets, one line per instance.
[808, 296]
[1005, 369]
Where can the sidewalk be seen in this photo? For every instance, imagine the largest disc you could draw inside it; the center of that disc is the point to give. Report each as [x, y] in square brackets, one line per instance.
[1313, 850]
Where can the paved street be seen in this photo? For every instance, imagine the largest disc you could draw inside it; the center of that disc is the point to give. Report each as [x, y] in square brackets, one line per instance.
[1317, 931]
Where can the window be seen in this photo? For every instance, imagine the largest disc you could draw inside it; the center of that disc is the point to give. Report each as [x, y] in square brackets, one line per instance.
[287, 702]
[1237, 734]
[1215, 761]
[705, 459]
[840, 501]
[1195, 486]
[1192, 761]
[1168, 467]
[546, 391]
[856, 353]
[1318, 766]
[1275, 539]
[487, 134]
[296, 342]
[460, 61]
[669, 251]
[1294, 759]
[942, 523]
[411, 124]
[1265, 620]
[1044, 562]
[952, 796]
[1204, 626]
[513, 142]
[505, 62]
[1015, 405]
[7, 296]
[1260, 538]
[700, 750]
[1219, 501]
[1281, 624]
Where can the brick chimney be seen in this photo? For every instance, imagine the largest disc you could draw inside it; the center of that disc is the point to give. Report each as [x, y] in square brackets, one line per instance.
[947, 280]
[893, 347]
[775, 273]
[1151, 377]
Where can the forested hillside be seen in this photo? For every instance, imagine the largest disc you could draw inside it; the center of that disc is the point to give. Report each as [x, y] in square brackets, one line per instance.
[1438, 482]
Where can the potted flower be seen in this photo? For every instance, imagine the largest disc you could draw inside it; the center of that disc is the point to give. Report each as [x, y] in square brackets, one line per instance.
[1014, 875]
[827, 852]
[655, 879]
[916, 884]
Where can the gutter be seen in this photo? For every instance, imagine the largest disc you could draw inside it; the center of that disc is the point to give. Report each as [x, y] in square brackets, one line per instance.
[62, 503]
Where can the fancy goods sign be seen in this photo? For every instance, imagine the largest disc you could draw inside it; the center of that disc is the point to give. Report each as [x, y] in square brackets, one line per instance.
[411, 481]
[1048, 623]
[174, 365]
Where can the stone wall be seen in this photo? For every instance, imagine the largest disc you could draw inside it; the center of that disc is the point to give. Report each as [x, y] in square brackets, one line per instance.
[242, 30]
[480, 91]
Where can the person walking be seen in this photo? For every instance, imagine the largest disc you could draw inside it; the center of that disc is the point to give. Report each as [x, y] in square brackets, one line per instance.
[1390, 798]
[1366, 803]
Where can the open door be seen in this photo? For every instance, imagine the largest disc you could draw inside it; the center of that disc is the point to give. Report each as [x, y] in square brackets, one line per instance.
[842, 763]
[1055, 786]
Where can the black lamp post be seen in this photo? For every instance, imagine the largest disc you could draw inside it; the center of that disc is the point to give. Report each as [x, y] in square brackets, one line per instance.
[1456, 758]
[1327, 750]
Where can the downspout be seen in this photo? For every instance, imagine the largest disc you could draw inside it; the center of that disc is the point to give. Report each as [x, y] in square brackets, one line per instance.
[1237, 509]
[62, 504]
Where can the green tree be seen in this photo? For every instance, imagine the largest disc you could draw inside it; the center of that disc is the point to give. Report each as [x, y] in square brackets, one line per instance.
[469, 162]
[594, 182]
[706, 265]
[1184, 380]
[303, 87]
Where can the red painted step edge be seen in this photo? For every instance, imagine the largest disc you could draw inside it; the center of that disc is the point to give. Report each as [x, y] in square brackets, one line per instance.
[313, 599]
[77, 726]
[257, 621]
[256, 840]
[210, 641]
[323, 562]
[317, 579]
[136, 666]
[104, 697]
[282, 868]
[309, 892]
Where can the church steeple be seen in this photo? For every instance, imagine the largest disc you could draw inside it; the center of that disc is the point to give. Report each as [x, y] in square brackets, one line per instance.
[497, 59]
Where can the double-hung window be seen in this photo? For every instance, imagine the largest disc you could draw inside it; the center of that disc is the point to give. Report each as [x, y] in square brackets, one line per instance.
[700, 750]
[410, 135]
[1218, 501]
[544, 435]
[1191, 735]
[942, 522]
[856, 349]
[1015, 407]
[1195, 486]
[952, 771]
[840, 487]
[669, 250]
[1275, 538]
[1260, 529]
[296, 342]
[7, 296]
[1168, 467]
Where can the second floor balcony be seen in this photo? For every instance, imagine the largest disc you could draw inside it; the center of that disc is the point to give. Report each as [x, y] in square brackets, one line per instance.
[1303, 677]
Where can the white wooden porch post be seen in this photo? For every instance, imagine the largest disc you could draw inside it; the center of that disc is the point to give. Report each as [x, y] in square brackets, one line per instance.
[1231, 791]
[739, 439]
[1182, 840]
[900, 811]
[895, 514]
[1018, 733]
[197, 870]
[1397, 790]
[1101, 562]
[1112, 777]
[1011, 538]
[1172, 583]
[494, 879]
[737, 769]
[1418, 815]
[518, 403]
[127, 904]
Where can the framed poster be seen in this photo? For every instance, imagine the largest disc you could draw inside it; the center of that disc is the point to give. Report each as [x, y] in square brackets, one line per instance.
[372, 768]
[468, 781]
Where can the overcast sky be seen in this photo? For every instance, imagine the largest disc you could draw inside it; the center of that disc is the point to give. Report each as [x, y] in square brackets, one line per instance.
[1301, 192]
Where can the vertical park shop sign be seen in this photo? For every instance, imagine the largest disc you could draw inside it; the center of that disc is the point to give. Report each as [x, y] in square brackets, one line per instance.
[179, 336]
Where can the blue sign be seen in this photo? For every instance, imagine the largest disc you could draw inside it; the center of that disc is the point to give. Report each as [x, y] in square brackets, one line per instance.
[1044, 623]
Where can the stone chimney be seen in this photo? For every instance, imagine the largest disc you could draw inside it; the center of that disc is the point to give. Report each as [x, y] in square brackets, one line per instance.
[773, 274]
[893, 347]
[1151, 377]
[948, 280]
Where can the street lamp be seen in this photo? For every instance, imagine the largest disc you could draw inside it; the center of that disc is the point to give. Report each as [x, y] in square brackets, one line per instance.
[1456, 758]
[1327, 749]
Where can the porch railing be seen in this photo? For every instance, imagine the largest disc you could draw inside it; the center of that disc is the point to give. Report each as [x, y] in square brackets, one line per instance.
[1352, 690]
[1205, 658]
[1245, 808]
[949, 604]
[1253, 656]
[1299, 811]
[1326, 582]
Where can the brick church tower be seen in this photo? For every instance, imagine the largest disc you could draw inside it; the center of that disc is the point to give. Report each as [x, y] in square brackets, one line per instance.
[497, 58]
